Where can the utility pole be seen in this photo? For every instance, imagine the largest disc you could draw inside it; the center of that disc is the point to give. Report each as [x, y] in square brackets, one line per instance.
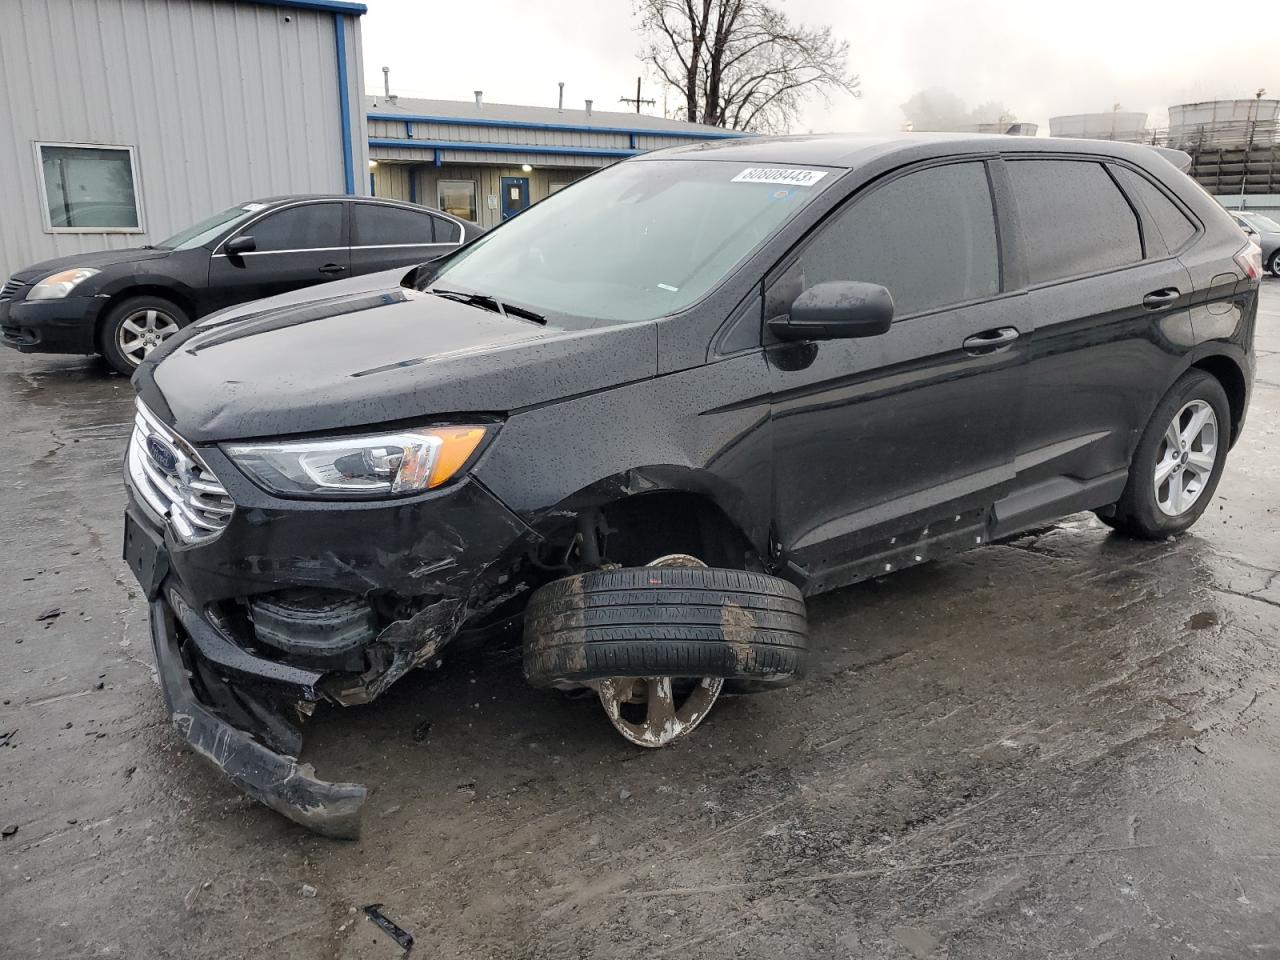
[636, 99]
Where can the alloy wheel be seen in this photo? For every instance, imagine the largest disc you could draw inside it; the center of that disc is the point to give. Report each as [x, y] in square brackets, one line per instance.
[142, 331]
[1188, 453]
[654, 711]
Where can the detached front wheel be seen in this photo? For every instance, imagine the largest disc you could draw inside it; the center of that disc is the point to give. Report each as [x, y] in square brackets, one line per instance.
[657, 643]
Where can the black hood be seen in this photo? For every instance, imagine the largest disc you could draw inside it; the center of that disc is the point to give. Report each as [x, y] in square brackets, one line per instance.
[99, 259]
[374, 355]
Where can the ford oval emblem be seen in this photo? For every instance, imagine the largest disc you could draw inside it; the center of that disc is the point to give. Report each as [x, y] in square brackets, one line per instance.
[162, 454]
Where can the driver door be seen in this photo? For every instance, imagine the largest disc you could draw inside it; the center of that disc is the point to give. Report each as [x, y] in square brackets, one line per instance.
[294, 247]
[891, 449]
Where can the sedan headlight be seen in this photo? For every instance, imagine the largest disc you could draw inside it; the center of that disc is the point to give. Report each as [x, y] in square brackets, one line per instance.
[60, 284]
[384, 464]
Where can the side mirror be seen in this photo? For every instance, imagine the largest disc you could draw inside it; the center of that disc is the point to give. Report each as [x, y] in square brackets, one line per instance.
[838, 310]
[238, 245]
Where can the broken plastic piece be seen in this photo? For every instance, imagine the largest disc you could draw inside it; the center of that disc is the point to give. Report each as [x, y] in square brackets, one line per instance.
[389, 927]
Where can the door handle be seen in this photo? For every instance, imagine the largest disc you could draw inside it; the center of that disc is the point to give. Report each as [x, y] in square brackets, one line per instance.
[1161, 298]
[990, 341]
[332, 268]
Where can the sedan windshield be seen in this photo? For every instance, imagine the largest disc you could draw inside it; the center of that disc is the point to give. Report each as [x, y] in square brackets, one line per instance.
[207, 229]
[634, 242]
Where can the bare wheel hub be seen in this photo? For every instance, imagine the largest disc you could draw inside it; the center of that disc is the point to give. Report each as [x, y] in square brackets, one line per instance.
[654, 711]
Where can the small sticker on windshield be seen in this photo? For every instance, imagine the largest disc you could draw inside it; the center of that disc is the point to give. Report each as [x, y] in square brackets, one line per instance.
[793, 178]
[668, 287]
[253, 207]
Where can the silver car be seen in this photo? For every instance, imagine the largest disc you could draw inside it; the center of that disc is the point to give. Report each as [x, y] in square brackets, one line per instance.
[1268, 237]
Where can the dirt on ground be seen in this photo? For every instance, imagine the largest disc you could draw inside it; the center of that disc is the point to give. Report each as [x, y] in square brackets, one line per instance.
[1062, 745]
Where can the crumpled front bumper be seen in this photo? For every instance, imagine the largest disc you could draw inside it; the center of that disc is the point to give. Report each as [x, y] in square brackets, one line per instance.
[275, 779]
[241, 705]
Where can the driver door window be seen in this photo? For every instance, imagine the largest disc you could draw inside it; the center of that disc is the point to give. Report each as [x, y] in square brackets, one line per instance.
[929, 237]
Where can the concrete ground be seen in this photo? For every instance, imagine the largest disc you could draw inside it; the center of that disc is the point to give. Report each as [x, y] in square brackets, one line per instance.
[1060, 746]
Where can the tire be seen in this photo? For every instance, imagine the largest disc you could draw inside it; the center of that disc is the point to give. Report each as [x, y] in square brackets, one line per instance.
[1138, 512]
[1274, 266]
[666, 622]
[165, 317]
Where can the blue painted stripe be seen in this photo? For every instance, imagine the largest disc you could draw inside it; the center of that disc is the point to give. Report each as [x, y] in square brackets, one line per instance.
[563, 127]
[344, 104]
[502, 147]
[328, 6]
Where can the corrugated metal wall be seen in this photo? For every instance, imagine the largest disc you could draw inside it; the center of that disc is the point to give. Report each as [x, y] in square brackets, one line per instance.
[222, 101]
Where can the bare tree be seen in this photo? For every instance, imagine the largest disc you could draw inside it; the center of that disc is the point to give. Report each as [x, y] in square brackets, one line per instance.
[741, 64]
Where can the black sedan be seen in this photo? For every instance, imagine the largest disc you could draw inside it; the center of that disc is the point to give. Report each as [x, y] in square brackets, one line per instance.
[124, 303]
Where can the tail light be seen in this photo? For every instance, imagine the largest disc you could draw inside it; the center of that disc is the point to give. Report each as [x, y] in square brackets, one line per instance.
[1249, 259]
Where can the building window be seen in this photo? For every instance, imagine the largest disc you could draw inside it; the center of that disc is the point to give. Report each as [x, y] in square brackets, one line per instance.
[458, 198]
[89, 188]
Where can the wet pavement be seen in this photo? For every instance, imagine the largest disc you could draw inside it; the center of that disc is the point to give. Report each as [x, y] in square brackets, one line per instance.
[1059, 746]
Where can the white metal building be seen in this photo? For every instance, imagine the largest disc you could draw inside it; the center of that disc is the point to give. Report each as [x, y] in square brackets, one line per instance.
[487, 161]
[126, 120]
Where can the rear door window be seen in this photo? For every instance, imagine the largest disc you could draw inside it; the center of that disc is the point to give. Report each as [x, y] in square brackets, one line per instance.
[379, 225]
[308, 227]
[1073, 219]
[929, 237]
[1174, 226]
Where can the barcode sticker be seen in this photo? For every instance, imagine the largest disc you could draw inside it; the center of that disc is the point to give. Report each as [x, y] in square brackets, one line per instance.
[791, 178]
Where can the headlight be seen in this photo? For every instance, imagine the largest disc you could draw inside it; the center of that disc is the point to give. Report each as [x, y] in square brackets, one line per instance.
[384, 464]
[60, 284]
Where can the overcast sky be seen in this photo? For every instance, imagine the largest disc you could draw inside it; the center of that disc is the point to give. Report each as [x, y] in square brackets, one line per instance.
[1040, 59]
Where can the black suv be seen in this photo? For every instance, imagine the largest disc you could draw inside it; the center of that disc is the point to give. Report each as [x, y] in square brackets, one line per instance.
[125, 303]
[657, 409]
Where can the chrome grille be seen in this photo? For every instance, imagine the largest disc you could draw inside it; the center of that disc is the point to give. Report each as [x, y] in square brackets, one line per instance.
[8, 291]
[174, 481]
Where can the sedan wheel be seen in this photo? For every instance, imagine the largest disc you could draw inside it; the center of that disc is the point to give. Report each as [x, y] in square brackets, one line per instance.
[1275, 264]
[1188, 453]
[142, 331]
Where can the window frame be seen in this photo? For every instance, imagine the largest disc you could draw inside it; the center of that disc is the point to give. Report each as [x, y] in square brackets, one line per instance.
[138, 206]
[344, 229]
[475, 196]
[789, 259]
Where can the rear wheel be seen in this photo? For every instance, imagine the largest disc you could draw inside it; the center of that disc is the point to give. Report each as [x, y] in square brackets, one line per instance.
[135, 327]
[1274, 266]
[1178, 461]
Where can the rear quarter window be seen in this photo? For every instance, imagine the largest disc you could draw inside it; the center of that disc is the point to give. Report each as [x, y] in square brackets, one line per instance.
[1174, 225]
[1073, 219]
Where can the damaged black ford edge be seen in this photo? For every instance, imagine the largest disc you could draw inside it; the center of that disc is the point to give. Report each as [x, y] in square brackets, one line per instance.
[653, 413]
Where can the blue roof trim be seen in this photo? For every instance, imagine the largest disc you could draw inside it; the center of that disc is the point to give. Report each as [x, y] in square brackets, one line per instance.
[416, 144]
[562, 127]
[325, 6]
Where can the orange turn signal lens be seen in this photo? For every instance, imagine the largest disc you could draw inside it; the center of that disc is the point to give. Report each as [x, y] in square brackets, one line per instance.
[457, 446]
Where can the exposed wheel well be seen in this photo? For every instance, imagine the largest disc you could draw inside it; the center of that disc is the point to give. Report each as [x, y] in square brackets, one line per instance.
[1226, 372]
[164, 293]
[647, 526]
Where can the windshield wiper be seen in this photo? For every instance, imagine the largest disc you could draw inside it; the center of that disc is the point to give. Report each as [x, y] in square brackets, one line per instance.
[487, 302]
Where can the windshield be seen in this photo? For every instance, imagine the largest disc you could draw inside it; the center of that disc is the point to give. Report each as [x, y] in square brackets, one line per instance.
[210, 227]
[1262, 223]
[634, 242]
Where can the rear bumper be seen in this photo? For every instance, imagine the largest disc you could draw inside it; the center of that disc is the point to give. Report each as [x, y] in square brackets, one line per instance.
[51, 326]
[272, 778]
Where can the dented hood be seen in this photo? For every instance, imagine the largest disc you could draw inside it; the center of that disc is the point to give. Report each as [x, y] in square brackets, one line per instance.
[372, 354]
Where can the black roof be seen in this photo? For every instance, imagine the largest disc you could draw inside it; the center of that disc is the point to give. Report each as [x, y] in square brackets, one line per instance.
[295, 197]
[850, 150]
